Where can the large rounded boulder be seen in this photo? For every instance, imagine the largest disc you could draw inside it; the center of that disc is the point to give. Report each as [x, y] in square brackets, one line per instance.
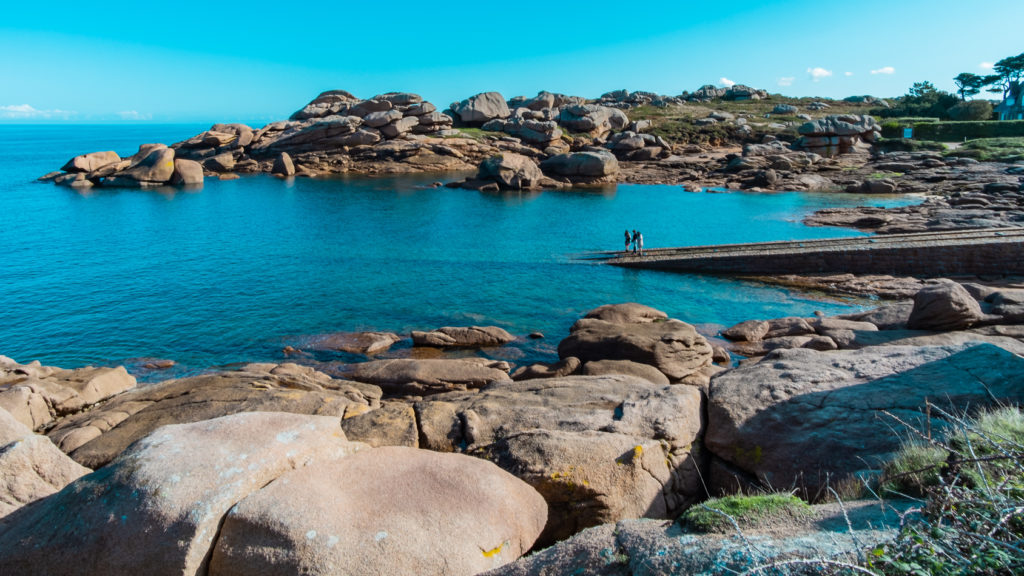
[944, 306]
[383, 511]
[481, 108]
[581, 165]
[511, 172]
[673, 347]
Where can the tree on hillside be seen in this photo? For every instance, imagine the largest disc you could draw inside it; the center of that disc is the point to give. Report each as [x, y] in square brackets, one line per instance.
[969, 84]
[924, 99]
[1008, 71]
[921, 92]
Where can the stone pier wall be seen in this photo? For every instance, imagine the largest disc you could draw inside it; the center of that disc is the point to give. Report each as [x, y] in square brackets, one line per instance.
[989, 257]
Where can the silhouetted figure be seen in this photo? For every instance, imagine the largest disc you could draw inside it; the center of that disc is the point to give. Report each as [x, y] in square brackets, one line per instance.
[629, 240]
[636, 236]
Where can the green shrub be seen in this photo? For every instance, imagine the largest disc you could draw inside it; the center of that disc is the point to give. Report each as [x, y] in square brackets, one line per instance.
[893, 128]
[958, 131]
[973, 110]
[748, 511]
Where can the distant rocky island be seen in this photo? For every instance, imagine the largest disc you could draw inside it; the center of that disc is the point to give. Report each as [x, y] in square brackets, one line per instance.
[559, 141]
[447, 462]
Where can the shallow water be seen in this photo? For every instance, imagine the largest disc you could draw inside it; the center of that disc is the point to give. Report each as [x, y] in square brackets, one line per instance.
[239, 269]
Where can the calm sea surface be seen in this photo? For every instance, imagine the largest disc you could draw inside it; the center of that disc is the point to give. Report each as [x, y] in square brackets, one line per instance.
[238, 270]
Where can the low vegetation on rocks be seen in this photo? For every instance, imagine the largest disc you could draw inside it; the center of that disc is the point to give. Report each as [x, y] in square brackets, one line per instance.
[730, 512]
[972, 517]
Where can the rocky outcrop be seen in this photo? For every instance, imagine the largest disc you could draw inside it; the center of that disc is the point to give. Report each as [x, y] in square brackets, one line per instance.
[477, 110]
[595, 120]
[408, 377]
[270, 492]
[673, 347]
[565, 367]
[330, 103]
[539, 133]
[462, 337]
[35, 394]
[96, 437]
[157, 509]
[582, 167]
[635, 147]
[738, 92]
[365, 343]
[511, 172]
[626, 313]
[283, 165]
[154, 165]
[838, 134]
[803, 418]
[91, 162]
[187, 173]
[626, 367]
[706, 93]
[747, 331]
[599, 448]
[31, 467]
[386, 511]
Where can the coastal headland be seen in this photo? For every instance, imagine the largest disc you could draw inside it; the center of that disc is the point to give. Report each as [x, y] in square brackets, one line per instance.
[452, 462]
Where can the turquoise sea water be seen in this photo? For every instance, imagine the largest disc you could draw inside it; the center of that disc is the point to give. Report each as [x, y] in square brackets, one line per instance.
[239, 269]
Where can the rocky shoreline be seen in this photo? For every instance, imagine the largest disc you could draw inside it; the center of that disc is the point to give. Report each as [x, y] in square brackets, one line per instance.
[450, 462]
[641, 418]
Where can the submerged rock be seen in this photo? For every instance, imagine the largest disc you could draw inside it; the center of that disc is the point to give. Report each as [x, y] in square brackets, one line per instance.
[462, 337]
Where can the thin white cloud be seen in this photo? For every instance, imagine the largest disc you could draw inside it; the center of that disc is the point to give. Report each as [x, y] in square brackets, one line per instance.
[818, 73]
[987, 65]
[726, 82]
[884, 70]
[847, 74]
[786, 81]
[133, 115]
[27, 112]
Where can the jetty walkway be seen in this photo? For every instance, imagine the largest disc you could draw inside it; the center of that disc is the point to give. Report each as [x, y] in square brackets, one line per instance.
[961, 252]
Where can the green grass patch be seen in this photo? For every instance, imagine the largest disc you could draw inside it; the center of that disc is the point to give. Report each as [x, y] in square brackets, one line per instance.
[747, 511]
[991, 150]
[915, 468]
[902, 145]
[475, 134]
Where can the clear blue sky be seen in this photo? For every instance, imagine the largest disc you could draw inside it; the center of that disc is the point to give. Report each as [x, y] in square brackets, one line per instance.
[259, 61]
